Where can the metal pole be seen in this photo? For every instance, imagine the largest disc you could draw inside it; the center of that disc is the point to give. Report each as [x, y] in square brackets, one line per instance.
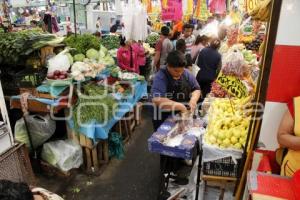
[75, 21]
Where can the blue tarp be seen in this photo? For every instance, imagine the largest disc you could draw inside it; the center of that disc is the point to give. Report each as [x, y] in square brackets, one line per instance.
[100, 131]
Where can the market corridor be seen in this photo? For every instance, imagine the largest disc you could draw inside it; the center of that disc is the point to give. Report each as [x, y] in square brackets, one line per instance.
[134, 177]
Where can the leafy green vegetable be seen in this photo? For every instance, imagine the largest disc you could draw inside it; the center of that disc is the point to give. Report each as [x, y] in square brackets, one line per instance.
[79, 57]
[95, 105]
[92, 54]
[82, 43]
[111, 42]
[17, 44]
[152, 39]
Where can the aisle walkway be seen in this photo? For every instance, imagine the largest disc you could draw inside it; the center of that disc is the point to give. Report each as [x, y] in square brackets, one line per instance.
[135, 177]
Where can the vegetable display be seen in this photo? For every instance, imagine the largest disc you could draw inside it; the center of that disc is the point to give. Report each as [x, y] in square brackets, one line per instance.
[17, 44]
[94, 106]
[82, 43]
[111, 42]
[152, 39]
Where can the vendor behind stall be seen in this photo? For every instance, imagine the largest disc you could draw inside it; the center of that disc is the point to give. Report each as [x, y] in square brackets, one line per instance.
[289, 138]
[173, 86]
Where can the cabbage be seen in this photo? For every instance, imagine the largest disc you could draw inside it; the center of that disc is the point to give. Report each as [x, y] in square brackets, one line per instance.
[59, 62]
[70, 58]
[79, 57]
[107, 60]
[92, 54]
[102, 48]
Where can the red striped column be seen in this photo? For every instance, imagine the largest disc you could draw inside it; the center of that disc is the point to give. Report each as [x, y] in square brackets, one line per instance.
[284, 83]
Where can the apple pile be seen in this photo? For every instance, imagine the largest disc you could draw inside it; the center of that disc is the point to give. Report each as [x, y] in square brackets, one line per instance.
[58, 75]
[228, 123]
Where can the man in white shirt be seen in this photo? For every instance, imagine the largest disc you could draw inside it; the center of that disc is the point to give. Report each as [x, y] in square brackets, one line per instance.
[188, 37]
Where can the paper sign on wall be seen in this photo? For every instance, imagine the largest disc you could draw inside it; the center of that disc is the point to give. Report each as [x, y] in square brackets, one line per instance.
[232, 85]
[173, 11]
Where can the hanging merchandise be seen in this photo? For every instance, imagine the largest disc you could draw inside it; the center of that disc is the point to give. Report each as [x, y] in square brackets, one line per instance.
[202, 12]
[148, 5]
[190, 6]
[164, 4]
[217, 6]
[135, 21]
[173, 11]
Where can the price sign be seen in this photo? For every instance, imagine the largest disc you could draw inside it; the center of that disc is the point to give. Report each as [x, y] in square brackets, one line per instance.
[232, 85]
[173, 11]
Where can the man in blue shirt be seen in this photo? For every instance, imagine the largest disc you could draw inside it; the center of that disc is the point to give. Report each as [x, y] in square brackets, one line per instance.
[173, 88]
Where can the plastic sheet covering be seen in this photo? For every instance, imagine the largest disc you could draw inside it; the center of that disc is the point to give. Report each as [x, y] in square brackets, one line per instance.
[64, 154]
[212, 153]
[135, 21]
[41, 129]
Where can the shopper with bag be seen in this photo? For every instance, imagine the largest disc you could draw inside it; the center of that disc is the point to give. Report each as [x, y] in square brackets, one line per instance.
[200, 43]
[209, 62]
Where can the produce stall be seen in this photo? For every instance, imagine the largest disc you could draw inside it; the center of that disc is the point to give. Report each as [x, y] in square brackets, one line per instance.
[81, 86]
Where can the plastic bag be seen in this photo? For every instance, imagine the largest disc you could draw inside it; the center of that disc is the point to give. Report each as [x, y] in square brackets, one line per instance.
[64, 154]
[234, 64]
[41, 129]
[212, 153]
[195, 69]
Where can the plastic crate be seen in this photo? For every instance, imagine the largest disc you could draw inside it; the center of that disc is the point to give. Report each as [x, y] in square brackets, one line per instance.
[13, 80]
[224, 167]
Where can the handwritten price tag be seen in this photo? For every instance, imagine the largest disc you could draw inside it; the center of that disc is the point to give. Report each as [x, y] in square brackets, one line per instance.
[232, 85]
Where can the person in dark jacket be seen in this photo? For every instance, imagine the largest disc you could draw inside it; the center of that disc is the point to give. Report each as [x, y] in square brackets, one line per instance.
[210, 62]
[114, 28]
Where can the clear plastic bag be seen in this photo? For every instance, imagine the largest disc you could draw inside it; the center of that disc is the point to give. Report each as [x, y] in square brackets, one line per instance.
[212, 153]
[64, 154]
[41, 129]
[234, 64]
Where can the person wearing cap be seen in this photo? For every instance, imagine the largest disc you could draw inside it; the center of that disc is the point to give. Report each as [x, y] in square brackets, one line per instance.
[163, 47]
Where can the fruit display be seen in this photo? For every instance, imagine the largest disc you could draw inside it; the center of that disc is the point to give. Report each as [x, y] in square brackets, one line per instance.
[228, 123]
[262, 11]
[250, 57]
[233, 64]
[218, 91]
[246, 38]
[255, 44]
[232, 36]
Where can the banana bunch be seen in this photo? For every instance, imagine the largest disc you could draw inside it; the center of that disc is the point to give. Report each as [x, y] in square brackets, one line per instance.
[262, 11]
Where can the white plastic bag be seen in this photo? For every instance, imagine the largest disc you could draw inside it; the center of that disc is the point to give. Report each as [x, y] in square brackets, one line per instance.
[59, 62]
[41, 128]
[195, 69]
[64, 154]
[212, 153]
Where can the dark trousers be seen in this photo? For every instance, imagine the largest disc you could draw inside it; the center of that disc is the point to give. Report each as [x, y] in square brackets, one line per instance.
[205, 88]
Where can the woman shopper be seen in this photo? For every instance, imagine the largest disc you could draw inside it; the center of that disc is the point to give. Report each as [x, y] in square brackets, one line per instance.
[200, 43]
[209, 61]
[127, 58]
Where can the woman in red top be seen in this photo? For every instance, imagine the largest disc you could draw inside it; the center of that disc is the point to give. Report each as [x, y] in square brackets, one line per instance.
[127, 57]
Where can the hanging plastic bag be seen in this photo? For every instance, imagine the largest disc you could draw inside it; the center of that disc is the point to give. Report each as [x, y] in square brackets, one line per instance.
[234, 64]
[63, 154]
[41, 128]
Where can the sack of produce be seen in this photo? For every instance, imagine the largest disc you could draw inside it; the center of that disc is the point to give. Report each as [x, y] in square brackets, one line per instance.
[64, 154]
[41, 129]
[234, 64]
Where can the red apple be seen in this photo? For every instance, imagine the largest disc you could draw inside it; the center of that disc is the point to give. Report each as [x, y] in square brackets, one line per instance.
[56, 77]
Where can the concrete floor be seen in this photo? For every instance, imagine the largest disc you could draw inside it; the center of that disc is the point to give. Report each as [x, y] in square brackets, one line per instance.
[136, 177]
